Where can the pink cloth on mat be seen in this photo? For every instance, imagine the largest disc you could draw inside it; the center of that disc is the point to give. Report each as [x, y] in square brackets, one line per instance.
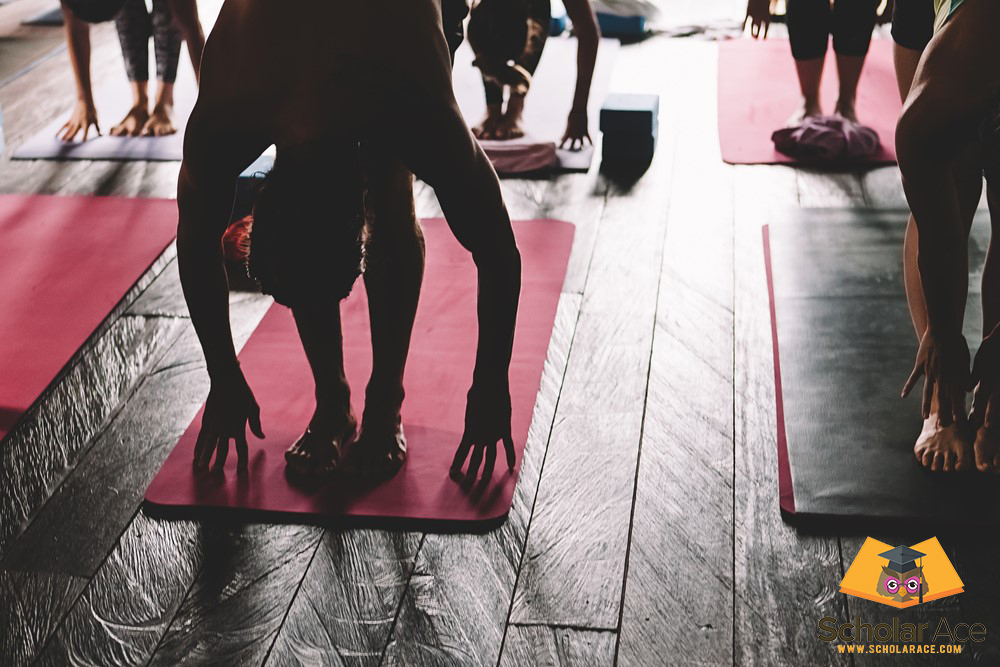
[827, 139]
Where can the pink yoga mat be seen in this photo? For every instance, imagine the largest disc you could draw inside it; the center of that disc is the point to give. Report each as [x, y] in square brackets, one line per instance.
[65, 262]
[438, 375]
[758, 91]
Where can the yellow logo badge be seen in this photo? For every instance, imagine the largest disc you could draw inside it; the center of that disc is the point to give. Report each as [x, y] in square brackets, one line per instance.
[902, 576]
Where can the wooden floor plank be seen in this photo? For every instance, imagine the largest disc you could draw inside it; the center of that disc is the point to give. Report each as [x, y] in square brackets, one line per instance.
[679, 588]
[456, 606]
[349, 598]
[57, 433]
[784, 582]
[81, 524]
[575, 554]
[31, 604]
[548, 646]
[248, 578]
[821, 189]
[126, 608]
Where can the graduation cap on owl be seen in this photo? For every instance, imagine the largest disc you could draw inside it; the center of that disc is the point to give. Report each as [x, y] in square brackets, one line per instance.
[902, 560]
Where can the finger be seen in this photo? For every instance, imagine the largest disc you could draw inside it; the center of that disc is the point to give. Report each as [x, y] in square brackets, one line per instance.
[242, 451]
[491, 459]
[767, 26]
[987, 413]
[460, 454]
[475, 461]
[911, 382]
[936, 463]
[946, 464]
[927, 458]
[508, 444]
[254, 422]
[209, 451]
[221, 455]
[586, 136]
[562, 144]
[86, 131]
[200, 444]
[962, 459]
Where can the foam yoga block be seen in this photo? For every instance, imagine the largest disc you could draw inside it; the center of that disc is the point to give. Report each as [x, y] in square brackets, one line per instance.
[65, 262]
[613, 25]
[843, 345]
[438, 375]
[630, 125]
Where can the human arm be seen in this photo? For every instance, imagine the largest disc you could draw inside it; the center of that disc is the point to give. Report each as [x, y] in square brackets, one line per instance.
[84, 113]
[588, 36]
[204, 198]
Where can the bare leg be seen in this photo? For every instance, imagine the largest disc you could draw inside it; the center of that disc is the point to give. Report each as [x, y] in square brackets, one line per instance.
[133, 122]
[395, 269]
[161, 121]
[185, 14]
[510, 126]
[810, 74]
[849, 73]
[987, 444]
[333, 423]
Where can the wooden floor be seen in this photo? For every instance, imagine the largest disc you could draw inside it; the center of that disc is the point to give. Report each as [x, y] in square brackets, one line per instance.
[645, 528]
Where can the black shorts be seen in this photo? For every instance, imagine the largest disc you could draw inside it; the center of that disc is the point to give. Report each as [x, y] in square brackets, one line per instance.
[913, 23]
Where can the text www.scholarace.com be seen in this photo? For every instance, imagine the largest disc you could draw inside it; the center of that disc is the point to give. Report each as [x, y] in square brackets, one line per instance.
[899, 648]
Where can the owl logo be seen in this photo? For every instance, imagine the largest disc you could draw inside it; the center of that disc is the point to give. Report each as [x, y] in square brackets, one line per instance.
[903, 579]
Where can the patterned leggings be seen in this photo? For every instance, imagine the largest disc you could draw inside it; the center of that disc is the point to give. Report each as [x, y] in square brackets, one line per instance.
[135, 26]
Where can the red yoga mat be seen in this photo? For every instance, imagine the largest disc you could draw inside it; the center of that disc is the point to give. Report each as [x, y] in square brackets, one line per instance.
[438, 375]
[65, 262]
[758, 92]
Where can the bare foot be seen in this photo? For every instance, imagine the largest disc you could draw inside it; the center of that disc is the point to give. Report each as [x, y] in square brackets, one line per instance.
[509, 128]
[845, 109]
[378, 452]
[987, 449]
[133, 123]
[161, 122]
[318, 450]
[488, 127]
[808, 109]
[943, 448]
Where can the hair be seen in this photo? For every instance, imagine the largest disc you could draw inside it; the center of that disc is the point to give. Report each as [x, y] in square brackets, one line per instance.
[95, 11]
[306, 239]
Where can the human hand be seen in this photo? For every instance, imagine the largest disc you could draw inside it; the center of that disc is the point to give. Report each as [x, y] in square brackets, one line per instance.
[986, 378]
[944, 363]
[84, 115]
[487, 421]
[577, 130]
[229, 408]
[759, 17]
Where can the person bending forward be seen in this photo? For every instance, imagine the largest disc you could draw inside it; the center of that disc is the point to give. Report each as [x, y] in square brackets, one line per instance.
[344, 88]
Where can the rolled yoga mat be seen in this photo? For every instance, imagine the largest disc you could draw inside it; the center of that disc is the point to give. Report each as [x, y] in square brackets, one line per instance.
[438, 375]
[113, 100]
[843, 346]
[545, 108]
[65, 262]
[759, 91]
